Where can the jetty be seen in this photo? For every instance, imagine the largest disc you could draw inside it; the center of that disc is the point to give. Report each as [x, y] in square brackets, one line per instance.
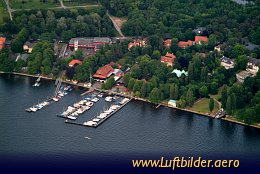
[93, 124]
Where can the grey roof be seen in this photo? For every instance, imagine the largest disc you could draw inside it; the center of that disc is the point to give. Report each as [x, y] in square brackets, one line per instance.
[24, 57]
[254, 61]
[29, 44]
[90, 40]
[82, 41]
[226, 60]
[200, 30]
[102, 39]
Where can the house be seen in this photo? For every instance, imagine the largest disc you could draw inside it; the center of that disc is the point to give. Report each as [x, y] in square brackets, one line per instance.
[75, 62]
[253, 65]
[2, 42]
[227, 62]
[137, 43]
[217, 48]
[172, 103]
[201, 39]
[89, 43]
[168, 43]
[168, 59]
[183, 44]
[28, 46]
[179, 73]
[103, 73]
[198, 40]
[241, 76]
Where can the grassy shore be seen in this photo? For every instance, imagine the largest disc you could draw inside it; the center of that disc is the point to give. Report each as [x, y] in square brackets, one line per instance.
[230, 119]
[32, 4]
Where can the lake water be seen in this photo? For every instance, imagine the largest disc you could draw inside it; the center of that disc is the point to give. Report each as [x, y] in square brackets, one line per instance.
[137, 128]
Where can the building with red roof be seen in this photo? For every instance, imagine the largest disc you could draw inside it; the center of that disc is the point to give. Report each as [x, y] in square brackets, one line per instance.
[168, 43]
[183, 44]
[198, 40]
[137, 42]
[2, 42]
[75, 62]
[201, 39]
[168, 59]
[103, 73]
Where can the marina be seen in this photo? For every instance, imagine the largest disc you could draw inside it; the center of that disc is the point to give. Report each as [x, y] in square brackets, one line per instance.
[61, 92]
[104, 115]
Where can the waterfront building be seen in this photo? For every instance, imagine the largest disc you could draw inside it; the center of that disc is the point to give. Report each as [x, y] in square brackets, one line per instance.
[172, 103]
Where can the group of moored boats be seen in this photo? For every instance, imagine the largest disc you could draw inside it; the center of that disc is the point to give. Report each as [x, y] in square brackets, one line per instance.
[38, 106]
[79, 108]
[110, 98]
[62, 92]
[106, 113]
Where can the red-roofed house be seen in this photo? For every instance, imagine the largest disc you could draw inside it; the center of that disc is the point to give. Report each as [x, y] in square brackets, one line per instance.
[201, 39]
[137, 42]
[75, 62]
[183, 44]
[168, 59]
[168, 43]
[103, 73]
[2, 42]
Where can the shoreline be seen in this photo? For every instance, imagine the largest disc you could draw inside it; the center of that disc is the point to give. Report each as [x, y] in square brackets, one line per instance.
[136, 98]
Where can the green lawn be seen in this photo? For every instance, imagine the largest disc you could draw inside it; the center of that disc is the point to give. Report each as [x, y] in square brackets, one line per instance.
[203, 106]
[32, 4]
[3, 12]
[79, 2]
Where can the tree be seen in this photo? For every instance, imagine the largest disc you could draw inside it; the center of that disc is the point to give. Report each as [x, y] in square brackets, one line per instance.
[204, 74]
[131, 84]
[224, 96]
[174, 91]
[211, 104]
[229, 105]
[155, 95]
[190, 98]
[79, 54]
[191, 72]
[144, 90]
[203, 91]
[241, 62]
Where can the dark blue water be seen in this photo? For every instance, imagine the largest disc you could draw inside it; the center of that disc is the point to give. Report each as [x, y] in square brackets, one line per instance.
[138, 128]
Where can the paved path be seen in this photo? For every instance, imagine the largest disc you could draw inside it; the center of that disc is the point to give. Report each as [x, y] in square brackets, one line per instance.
[61, 4]
[116, 26]
[9, 9]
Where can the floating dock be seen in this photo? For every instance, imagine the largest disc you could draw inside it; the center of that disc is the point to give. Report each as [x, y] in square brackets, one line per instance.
[102, 120]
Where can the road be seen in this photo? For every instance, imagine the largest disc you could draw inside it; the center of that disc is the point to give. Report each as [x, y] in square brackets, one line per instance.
[9, 9]
[116, 26]
[61, 4]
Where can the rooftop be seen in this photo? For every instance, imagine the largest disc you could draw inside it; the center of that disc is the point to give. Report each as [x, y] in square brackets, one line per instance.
[75, 62]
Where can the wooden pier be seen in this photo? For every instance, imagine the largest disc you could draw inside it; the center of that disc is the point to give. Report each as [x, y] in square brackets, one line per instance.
[100, 122]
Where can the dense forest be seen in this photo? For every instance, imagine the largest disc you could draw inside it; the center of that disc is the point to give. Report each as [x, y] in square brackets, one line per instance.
[228, 20]
[64, 24]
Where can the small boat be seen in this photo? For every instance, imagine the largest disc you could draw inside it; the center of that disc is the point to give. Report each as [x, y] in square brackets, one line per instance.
[87, 138]
[108, 99]
[95, 100]
[100, 95]
[56, 99]
[71, 117]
